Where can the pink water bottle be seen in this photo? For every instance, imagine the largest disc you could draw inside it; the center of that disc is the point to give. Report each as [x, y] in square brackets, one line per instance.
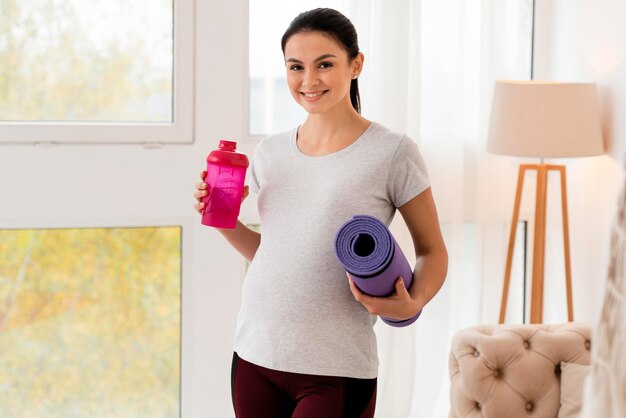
[226, 172]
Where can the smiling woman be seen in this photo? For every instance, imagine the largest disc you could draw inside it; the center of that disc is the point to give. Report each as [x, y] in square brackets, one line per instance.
[305, 344]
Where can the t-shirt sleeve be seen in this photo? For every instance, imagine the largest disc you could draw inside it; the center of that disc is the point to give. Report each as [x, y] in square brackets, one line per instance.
[254, 175]
[408, 175]
[256, 168]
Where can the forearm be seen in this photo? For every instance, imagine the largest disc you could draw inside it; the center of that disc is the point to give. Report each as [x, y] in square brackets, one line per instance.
[243, 239]
[428, 277]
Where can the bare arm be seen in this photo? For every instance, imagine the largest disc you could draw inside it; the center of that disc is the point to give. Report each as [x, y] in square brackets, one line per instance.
[243, 239]
[420, 216]
[431, 266]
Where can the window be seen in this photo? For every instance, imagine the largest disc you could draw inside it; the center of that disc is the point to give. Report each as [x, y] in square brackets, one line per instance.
[106, 71]
[90, 322]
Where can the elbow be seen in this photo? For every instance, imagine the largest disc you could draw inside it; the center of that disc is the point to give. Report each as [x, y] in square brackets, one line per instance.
[439, 256]
[444, 264]
[437, 259]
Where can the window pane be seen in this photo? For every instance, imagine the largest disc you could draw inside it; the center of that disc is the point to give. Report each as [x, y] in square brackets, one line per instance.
[90, 322]
[76, 60]
[272, 108]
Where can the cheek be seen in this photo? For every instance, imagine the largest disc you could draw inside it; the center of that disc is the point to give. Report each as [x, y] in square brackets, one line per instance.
[345, 84]
[292, 82]
[342, 80]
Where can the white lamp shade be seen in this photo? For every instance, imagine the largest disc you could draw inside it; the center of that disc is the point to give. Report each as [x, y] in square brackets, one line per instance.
[545, 119]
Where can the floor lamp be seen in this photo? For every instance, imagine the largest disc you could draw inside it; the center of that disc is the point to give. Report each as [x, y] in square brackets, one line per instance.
[543, 120]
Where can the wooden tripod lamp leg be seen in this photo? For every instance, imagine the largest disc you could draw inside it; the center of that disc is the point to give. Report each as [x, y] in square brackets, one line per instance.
[539, 244]
[537, 287]
[568, 268]
[509, 256]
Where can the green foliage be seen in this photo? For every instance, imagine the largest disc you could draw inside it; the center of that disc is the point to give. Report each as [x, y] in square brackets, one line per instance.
[90, 322]
[51, 70]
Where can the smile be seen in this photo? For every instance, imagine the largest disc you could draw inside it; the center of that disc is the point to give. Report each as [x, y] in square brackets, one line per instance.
[313, 95]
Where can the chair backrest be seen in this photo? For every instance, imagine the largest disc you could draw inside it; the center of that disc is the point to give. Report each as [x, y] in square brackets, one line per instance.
[513, 370]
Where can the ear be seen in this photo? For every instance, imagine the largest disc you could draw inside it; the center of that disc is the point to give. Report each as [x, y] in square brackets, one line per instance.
[357, 63]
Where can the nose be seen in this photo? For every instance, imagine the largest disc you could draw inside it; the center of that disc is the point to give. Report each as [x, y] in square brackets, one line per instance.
[310, 78]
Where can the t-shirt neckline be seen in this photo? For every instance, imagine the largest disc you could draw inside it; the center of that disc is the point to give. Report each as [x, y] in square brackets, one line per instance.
[296, 150]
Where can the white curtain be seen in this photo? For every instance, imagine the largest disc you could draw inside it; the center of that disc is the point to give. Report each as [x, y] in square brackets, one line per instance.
[429, 71]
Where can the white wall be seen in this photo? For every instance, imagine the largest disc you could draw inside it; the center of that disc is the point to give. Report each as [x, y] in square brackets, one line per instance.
[94, 185]
[585, 41]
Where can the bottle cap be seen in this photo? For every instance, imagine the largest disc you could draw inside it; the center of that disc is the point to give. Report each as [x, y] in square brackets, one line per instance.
[227, 154]
[227, 145]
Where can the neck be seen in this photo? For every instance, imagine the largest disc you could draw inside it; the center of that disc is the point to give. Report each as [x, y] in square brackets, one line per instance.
[331, 131]
[322, 128]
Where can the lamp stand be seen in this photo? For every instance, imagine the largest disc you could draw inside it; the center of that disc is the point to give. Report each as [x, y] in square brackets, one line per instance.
[536, 301]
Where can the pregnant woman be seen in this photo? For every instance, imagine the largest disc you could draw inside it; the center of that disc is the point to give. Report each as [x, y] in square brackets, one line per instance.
[305, 345]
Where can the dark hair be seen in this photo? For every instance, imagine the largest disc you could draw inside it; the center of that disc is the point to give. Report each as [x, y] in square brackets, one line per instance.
[337, 26]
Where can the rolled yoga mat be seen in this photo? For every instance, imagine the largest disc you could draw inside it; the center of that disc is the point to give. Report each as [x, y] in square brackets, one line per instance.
[373, 259]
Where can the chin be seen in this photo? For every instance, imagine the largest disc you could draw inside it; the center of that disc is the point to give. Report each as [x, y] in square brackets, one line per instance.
[314, 111]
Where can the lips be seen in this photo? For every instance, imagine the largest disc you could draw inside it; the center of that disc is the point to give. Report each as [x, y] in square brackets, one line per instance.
[313, 95]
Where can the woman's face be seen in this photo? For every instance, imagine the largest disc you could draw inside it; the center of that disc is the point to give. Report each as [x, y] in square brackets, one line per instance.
[319, 71]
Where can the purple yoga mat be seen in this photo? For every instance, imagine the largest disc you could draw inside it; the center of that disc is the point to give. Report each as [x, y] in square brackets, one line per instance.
[373, 259]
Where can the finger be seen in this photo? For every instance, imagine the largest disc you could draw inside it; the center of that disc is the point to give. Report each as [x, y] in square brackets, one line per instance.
[400, 287]
[201, 185]
[199, 207]
[364, 298]
[390, 307]
[353, 287]
[200, 194]
[203, 174]
[246, 192]
[351, 283]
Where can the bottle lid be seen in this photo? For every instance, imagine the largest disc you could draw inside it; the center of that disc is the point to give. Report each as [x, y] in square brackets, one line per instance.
[227, 154]
[227, 145]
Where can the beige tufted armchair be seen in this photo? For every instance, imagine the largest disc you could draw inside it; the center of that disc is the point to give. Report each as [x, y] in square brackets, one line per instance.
[501, 371]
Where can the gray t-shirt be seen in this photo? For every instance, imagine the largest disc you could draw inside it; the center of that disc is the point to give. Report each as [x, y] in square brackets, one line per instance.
[297, 312]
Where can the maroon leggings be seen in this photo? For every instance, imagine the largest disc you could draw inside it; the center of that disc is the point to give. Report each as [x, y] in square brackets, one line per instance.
[264, 393]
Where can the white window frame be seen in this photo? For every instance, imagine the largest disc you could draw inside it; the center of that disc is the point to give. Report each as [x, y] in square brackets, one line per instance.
[102, 185]
[249, 139]
[179, 131]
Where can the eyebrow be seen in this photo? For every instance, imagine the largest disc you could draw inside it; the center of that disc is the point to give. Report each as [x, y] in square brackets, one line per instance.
[321, 57]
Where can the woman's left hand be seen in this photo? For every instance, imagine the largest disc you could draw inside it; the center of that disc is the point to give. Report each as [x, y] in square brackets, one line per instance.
[398, 306]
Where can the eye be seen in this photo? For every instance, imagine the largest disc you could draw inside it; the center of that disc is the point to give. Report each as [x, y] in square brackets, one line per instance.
[326, 64]
[295, 67]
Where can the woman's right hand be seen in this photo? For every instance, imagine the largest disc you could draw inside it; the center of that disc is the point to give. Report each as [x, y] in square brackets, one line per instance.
[203, 190]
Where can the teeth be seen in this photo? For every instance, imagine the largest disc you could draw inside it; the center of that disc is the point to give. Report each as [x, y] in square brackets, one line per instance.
[313, 94]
